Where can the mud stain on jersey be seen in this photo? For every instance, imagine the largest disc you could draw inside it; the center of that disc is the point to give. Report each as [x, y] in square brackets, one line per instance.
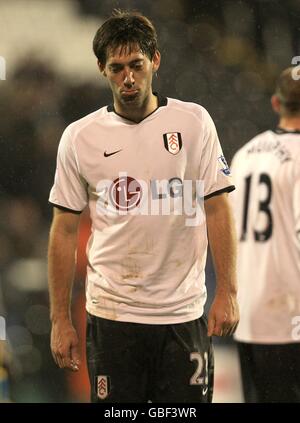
[130, 269]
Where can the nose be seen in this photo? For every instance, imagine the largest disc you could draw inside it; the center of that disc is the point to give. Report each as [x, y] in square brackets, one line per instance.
[129, 79]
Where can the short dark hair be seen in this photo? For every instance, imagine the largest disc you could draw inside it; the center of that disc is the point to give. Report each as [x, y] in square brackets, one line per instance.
[126, 29]
[288, 92]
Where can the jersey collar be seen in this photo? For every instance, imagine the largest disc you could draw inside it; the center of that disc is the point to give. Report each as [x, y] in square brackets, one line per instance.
[161, 101]
[281, 131]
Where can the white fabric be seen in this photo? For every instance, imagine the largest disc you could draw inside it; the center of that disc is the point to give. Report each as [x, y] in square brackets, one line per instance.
[268, 269]
[141, 268]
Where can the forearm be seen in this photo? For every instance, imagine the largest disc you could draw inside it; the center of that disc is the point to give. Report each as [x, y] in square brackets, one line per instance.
[61, 269]
[222, 240]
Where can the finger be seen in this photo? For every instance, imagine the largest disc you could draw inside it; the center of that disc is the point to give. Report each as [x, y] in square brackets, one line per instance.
[218, 331]
[71, 365]
[60, 361]
[63, 358]
[75, 358]
[226, 331]
[68, 362]
[210, 326]
[233, 329]
[54, 357]
[57, 358]
[74, 367]
[229, 329]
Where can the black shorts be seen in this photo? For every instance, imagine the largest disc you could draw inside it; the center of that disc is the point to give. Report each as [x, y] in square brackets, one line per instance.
[270, 373]
[132, 362]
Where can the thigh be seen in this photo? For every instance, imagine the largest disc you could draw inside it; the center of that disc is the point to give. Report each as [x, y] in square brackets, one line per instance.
[116, 364]
[184, 367]
[260, 372]
[248, 372]
[270, 373]
[282, 373]
[292, 375]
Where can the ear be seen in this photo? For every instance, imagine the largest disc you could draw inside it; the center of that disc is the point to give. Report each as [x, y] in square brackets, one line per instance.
[101, 68]
[156, 61]
[275, 102]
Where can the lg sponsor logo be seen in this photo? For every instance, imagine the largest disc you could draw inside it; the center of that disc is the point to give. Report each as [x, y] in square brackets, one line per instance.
[127, 195]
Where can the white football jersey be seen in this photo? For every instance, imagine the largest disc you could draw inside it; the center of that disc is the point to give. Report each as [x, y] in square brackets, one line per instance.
[266, 205]
[145, 263]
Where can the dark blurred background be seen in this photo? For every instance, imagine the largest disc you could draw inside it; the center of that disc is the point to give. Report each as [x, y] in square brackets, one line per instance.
[222, 54]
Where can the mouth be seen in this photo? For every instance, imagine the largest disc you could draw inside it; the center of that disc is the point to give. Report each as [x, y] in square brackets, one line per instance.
[129, 92]
[129, 95]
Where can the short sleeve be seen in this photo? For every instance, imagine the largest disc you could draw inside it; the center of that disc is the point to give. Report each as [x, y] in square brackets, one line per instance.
[214, 171]
[69, 190]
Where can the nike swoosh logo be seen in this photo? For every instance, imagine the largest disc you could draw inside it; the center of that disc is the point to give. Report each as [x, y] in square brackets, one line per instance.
[204, 390]
[110, 154]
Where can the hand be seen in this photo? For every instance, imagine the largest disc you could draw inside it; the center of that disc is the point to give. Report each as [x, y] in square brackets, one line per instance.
[64, 345]
[223, 316]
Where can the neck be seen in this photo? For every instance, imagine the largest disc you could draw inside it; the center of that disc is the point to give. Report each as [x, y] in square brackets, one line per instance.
[137, 112]
[288, 123]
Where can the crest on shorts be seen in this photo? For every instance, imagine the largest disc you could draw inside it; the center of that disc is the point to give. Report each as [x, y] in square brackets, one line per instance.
[102, 386]
[173, 142]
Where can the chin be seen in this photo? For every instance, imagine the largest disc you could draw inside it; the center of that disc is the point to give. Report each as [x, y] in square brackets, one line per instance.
[131, 99]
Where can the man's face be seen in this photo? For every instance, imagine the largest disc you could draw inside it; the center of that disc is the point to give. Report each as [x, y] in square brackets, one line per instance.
[130, 76]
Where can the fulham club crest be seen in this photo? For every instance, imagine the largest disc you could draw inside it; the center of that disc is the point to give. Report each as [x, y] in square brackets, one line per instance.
[102, 386]
[173, 142]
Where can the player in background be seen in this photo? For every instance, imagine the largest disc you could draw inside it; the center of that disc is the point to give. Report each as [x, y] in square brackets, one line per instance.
[147, 336]
[267, 211]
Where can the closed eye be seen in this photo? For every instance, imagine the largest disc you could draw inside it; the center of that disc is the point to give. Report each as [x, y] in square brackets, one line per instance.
[137, 66]
[116, 68]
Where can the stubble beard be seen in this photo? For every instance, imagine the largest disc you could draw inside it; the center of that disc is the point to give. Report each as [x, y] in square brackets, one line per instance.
[131, 100]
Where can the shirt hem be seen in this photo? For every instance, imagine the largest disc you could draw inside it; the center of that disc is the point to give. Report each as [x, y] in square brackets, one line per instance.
[220, 191]
[58, 206]
[151, 320]
[266, 341]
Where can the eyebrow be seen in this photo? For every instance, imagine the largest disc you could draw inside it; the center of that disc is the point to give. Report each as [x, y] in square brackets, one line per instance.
[133, 62]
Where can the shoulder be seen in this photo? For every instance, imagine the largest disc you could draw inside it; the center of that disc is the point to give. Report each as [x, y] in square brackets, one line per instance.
[262, 137]
[82, 124]
[194, 110]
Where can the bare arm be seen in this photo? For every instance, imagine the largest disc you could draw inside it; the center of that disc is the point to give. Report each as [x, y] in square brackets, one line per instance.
[61, 268]
[224, 314]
